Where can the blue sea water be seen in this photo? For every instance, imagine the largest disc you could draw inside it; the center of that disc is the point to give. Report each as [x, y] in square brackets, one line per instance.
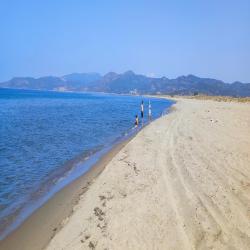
[44, 136]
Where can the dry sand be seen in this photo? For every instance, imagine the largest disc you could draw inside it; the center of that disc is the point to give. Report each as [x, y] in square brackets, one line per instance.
[182, 183]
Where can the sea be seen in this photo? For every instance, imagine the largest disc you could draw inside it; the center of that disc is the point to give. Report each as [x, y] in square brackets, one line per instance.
[48, 139]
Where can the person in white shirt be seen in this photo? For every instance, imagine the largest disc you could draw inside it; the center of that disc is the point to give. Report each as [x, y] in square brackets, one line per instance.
[142, 109]
[149, 111]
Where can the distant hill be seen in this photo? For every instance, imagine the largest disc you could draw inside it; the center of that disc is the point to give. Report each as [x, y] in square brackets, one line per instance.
[80, 81]
[131, 83]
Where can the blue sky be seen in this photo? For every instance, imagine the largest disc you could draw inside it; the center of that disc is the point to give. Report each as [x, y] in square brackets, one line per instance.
[171, 38]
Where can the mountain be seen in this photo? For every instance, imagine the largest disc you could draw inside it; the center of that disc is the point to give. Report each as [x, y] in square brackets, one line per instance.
[82, 77]
[80, 81]
[42, 83]
[131, 83]
[71, 82]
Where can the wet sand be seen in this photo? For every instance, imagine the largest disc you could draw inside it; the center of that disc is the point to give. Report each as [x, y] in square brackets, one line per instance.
[38, 229]
[183, 182]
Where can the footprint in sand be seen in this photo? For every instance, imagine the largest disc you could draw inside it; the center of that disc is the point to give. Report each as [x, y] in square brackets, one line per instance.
[86, 237]
[92, 245]
[99, 213]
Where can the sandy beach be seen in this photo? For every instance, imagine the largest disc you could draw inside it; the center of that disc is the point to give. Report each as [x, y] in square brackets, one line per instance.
[183, 182]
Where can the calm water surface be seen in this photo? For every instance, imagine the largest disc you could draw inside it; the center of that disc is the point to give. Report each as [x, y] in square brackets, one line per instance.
[44, 135]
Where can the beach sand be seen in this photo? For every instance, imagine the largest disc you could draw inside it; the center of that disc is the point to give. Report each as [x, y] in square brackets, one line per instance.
[183, 182]
[38, 229]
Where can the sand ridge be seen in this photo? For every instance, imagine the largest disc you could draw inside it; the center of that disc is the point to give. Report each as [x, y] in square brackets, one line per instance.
[182, 183]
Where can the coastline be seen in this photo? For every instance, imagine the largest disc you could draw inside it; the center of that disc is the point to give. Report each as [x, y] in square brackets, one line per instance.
[144, 193]
[32, 234]
[67, 170]
[180, 183]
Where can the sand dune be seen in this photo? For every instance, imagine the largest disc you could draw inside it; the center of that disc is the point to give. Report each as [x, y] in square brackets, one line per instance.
[182, 183]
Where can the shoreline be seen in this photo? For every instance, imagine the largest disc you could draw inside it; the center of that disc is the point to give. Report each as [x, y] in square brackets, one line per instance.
[181, 183]
[57, 208]
[80, 166]
[54, 209]
[39, 195]
[146, 193]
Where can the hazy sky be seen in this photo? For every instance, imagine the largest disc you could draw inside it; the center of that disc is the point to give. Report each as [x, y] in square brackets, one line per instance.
[171, 38]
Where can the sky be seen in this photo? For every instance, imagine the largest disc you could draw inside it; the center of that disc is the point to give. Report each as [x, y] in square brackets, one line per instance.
[155, 38]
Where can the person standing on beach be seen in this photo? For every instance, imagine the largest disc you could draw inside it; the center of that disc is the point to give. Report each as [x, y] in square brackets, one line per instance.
[142, 109]
[149, 111]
